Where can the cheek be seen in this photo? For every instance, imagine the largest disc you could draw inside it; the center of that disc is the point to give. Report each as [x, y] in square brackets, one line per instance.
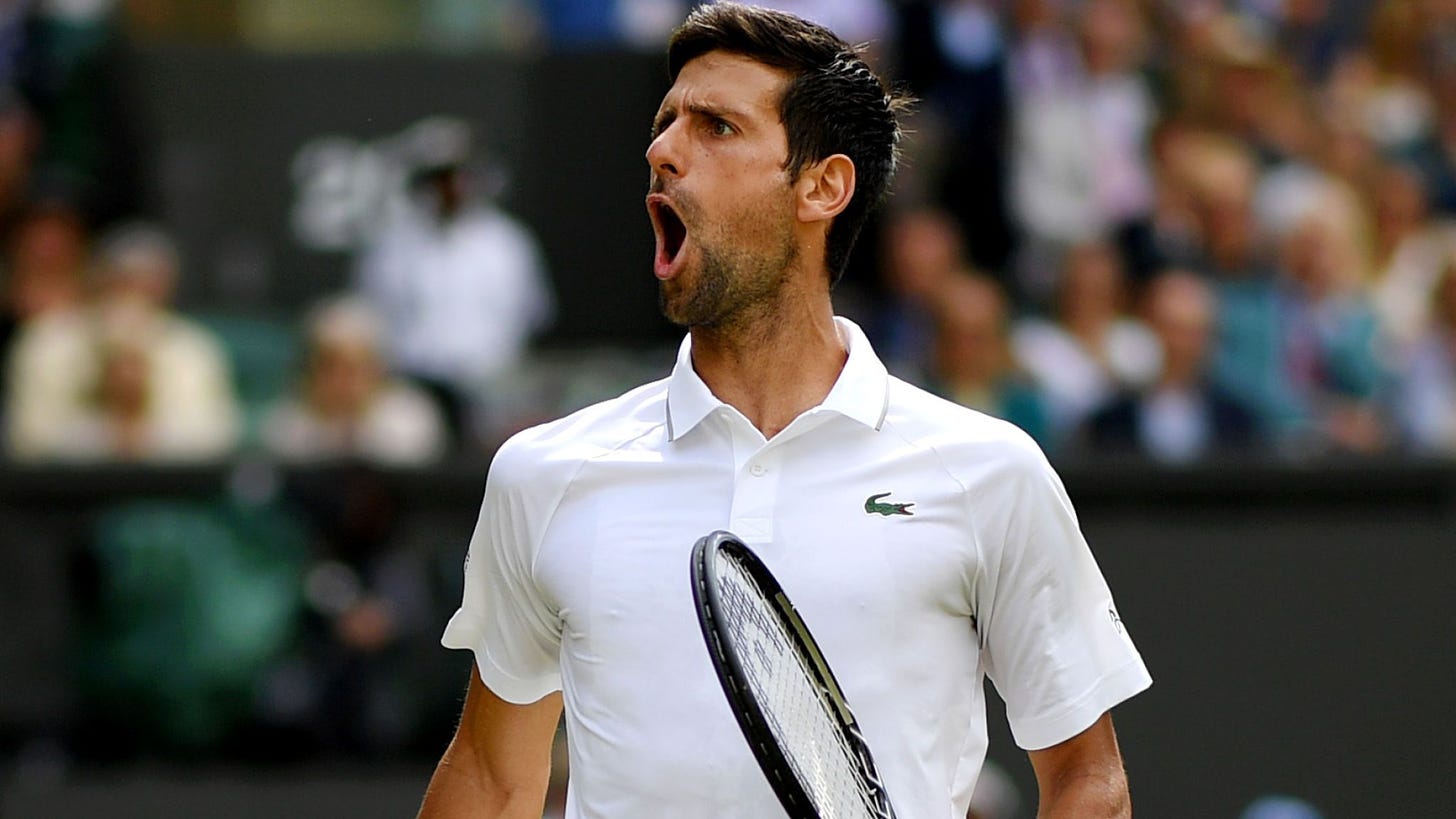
[740, 198]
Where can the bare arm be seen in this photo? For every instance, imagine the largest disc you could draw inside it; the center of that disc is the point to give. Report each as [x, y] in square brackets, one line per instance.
[1083, 777]
[499, 763]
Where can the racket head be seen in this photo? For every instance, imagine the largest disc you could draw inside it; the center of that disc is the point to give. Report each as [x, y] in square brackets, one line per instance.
[714, 557]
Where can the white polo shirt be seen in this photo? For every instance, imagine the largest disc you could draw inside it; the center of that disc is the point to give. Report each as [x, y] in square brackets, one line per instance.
[577, 579]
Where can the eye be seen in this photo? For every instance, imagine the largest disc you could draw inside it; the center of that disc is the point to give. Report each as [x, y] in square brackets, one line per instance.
[660, 124]
[720, 127]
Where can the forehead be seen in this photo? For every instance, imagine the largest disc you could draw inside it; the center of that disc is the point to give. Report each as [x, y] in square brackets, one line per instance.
[724, 80]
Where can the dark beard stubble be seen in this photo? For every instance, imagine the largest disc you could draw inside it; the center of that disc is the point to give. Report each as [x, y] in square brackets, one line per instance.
[731, 288]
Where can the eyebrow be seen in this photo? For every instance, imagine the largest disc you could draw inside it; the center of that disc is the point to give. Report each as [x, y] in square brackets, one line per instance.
[702, 109]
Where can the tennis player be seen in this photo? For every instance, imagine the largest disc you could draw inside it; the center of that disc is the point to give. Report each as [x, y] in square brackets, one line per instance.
[925, 545]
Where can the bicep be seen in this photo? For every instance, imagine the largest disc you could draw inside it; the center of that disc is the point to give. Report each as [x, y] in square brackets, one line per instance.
[1084, 772]
[509, 743]
[499, 763]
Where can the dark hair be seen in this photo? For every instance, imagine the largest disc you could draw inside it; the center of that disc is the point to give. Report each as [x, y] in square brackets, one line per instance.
[833, 104]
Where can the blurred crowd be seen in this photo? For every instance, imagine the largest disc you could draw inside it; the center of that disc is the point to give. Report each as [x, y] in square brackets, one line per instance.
[1171, 230]
[1213, 228]
[1174, 230]
[102, 365]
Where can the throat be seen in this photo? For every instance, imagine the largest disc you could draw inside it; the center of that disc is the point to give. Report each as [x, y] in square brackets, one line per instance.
[771, 377]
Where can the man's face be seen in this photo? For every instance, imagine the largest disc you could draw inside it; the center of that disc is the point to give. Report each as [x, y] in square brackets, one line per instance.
[721, 202]
[1182, 319]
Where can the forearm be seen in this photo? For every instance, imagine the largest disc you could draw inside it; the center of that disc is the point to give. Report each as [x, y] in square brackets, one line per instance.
[1093, 795]
[462, 789]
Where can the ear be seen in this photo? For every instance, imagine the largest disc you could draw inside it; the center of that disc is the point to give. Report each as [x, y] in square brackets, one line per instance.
[825, 188]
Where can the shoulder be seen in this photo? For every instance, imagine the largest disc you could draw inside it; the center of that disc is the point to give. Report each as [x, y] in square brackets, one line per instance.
[552, 452]
[1036, 335]
[400, 399]
[185, 336]
[1136, 352]
[68, 329]
[970, 444]
[405, 419]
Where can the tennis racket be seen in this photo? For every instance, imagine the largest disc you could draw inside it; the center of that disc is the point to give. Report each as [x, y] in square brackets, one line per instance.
[780, 688]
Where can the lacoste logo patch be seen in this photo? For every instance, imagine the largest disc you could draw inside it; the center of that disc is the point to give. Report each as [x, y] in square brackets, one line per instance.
[874, 506]
[1116, 619]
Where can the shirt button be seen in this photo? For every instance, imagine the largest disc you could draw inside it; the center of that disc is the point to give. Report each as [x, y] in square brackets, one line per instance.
[757, 470]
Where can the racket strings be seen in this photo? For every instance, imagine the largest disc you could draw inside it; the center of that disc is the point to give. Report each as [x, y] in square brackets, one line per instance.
[798, 710]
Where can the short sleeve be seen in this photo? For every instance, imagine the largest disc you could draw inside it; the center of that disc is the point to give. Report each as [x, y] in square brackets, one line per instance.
[1052, 640]
[503, 617]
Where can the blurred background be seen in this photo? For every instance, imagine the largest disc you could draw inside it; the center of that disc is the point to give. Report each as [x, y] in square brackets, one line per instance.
[276, 278]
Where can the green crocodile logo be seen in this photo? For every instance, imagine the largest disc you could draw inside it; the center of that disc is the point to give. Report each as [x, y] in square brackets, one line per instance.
[874, 507]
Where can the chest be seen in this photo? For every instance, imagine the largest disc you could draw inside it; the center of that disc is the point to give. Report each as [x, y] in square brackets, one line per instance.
[872, 541]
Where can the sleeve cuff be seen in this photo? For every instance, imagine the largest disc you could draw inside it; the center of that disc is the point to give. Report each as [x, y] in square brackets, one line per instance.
[1040, 732]
[464, 632]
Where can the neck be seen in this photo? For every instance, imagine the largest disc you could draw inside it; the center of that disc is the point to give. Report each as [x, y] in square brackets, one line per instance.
[1178, 377]
[1089, 326]
[775, 365]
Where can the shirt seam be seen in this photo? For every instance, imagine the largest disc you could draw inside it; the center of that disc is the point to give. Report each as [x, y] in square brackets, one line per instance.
[889, 426]
[566, 487]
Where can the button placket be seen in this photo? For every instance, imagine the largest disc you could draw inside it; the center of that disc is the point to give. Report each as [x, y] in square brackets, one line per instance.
[754, 497]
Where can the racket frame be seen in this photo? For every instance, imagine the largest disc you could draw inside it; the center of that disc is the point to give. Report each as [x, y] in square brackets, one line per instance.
[745, 706]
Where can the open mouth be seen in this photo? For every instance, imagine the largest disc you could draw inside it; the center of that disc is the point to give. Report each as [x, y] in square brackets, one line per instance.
[671, 231]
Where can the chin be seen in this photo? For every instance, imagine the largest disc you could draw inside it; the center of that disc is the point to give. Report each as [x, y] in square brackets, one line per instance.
[679, 309]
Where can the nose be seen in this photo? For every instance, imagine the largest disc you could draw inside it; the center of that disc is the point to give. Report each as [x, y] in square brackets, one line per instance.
[663, 154]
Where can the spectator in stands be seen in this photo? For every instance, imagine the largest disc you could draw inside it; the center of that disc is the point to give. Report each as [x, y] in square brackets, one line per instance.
[19, 136]
[1182, 415]
[47, 253]
[360, 676]
[954, 57]
[973, 365]
[121, 419]
[1426, 403]
[1327, 340]
[65, 360]
[117, 423]
[1081, 118]
[1222, 175]
[1092, 348]
[1437, 156]
[1239, 73]
[460, 284]
[1172, 235]
[1352, 135]
[1390, 78]
[356, 681]
[1412, 249]
[1290, 145]
[1232, 254]
[922, 251]
[1307, 33]
[1120, 112]
[348, 404]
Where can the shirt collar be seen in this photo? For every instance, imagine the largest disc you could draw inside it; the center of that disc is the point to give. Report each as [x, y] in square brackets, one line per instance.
[861, 392]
